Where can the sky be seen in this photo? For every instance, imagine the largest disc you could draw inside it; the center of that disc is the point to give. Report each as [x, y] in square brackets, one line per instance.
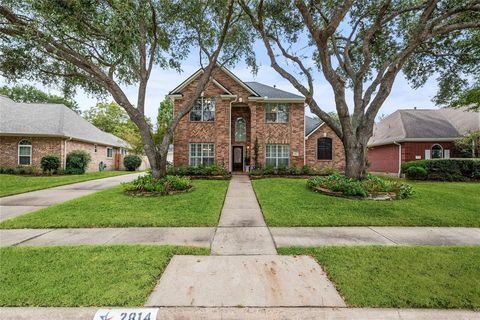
[162, 81]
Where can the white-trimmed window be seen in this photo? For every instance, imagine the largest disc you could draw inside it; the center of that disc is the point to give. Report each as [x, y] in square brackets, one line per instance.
[203, 110]
[123, 151]
[277, 155]
[201, 154]
[240, 130]
[276, 113]
[437, 151]
[109, 152]
[25, 153]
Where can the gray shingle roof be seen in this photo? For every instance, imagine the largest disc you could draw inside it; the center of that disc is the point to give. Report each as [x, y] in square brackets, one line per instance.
[44, 119]
[271, 92]
[411, 124]
[311, 124]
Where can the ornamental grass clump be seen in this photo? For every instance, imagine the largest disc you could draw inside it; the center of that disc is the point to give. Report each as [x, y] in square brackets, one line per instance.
[370, 187]
[148, 185]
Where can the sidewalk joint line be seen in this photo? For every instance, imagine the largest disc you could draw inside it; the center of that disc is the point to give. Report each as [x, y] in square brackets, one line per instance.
[371, 228]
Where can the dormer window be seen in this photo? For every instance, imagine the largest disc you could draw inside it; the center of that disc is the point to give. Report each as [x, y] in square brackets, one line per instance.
[276, 113]
[204, 110]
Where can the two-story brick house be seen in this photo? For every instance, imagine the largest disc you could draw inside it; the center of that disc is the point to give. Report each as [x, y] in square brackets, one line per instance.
[231, 115]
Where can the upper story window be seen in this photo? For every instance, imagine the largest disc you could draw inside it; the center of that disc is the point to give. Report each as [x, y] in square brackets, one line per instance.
[240, 130]
[276, 113]
[204, 110]
[437, 151]
[324, 149]
[25, 152]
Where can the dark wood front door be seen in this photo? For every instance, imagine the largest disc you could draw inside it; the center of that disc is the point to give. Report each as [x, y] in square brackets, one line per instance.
[237, 158]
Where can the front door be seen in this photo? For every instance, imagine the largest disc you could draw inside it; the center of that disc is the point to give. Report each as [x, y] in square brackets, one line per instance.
[237, 158]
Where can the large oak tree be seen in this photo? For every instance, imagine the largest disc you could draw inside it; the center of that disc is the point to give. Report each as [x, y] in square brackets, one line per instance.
[104, 45]
[360, 47]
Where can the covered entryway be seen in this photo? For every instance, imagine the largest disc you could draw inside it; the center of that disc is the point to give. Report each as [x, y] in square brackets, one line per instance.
[240, 137]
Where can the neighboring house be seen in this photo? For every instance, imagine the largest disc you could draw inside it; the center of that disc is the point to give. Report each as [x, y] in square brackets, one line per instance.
[231, 114]
[416, 134]
[29, 131]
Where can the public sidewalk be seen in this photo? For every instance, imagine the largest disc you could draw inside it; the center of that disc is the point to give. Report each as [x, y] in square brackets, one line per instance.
[13, 206]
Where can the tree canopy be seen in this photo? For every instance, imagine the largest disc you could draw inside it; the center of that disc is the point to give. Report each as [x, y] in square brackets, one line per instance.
[30, 94]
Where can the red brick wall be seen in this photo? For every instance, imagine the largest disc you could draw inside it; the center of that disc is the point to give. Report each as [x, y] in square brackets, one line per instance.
[42, 146]
[218, 132]
[412, 149]
[338, 154]
[383, 158]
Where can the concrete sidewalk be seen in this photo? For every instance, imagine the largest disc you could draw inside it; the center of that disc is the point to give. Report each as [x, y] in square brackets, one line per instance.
[177, 313]
[200, 237]
[13, 206]
[345, 236]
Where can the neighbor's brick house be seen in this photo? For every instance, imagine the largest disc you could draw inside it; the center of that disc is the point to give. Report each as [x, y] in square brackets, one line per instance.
[231, 114]
[29, 131]
[416, 134]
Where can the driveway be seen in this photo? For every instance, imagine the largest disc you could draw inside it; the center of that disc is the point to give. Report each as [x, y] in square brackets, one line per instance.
[19, 204]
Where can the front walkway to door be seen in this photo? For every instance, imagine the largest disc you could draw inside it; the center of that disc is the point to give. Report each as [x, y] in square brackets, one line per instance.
[244, 269]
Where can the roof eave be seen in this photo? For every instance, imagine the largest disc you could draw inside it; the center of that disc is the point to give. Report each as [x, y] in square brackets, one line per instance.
[284, 100]
[376, 144]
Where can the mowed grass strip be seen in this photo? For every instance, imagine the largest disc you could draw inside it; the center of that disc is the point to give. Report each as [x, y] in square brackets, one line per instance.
[83, 275]
[288, 203]
[113, 208]
[401, 277]
[14, 184]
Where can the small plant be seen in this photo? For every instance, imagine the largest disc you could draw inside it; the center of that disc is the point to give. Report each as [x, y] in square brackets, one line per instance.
[416, 173]
[327, 170]
[50, 163]
[132, 162]
[77, 162]
[148, 185]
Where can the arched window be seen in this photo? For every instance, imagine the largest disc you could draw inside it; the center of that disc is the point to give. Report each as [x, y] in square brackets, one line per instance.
[24, 153]
[324, 149]
[437, 151]
[240, 130]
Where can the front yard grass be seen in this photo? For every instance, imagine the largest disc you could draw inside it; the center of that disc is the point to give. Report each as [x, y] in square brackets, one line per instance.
[401, 277]
[113, 208]
[14, 184]
[288, 203]
[83, 275]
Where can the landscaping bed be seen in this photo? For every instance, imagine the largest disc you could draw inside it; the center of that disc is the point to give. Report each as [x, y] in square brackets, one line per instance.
[81, 276]
[113, 208]
[289, 203]
[401, 277]
[212, 172]
[14, 184]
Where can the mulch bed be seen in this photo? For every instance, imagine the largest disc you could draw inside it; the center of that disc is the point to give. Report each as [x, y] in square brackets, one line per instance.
[382, 196]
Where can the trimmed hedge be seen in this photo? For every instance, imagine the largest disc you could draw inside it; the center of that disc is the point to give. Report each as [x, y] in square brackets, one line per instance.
[305, 170]
[214, 170]
[50, 163]
[132, 162]
[443, 169]
[77, 162]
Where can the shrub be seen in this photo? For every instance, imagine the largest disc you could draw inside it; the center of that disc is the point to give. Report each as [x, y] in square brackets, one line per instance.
[212, 170]
[50, 163]
[147, 184]
[8, 170]
[360, 188]
[443, 169]
[132, 162]
[416, 173]
[327, 170]
[25, 170]
[77, 162]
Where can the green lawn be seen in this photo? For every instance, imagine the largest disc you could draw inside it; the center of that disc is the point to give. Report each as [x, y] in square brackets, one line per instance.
[288, 202]
[14, 184]
[83, 275]
[402, 277]
[113, 208]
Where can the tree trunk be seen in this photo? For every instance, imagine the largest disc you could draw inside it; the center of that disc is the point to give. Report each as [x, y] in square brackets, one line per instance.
[355, 157]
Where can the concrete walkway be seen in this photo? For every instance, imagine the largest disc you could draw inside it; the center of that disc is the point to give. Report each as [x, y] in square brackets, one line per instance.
[13, 206]
[233, 240]
[244, 269]
[177, 313]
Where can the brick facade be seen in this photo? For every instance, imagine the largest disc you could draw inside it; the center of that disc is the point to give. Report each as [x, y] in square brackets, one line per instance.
[42, 146]
[338, 153]
[385, 158]
[221, 132]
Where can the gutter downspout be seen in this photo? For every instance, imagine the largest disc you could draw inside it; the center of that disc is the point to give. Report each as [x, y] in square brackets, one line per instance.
[399, 157]
[65, 153]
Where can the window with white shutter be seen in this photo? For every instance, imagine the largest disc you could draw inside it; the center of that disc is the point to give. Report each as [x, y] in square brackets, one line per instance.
[427, 154]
